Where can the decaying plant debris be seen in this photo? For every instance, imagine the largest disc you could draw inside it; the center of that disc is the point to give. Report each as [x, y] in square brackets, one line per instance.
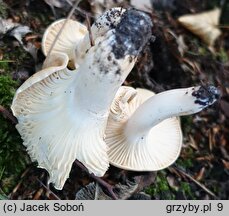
[177, 58]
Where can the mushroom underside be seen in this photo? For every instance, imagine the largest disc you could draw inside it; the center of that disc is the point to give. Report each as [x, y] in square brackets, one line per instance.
[51, 130]
[154, 151]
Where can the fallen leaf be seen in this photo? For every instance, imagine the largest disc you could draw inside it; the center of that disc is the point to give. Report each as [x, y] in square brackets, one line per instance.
[199, 176]
[6, 25]
[204, 25]
[19, 32]
[193, 142]
[208, 158]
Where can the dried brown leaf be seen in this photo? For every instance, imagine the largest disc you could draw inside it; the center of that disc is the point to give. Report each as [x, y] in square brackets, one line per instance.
[199, 176]
[193, 142]
[204, 25]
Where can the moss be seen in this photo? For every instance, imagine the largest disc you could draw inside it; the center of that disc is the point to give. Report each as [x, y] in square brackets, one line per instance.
[4, 66]
[185, 163]
[3, 195]
[215, 188]
[185, 188]
[161, 188]
[203, 51]
[13, 158]
[222, 56]
[3, 9]
[7, 90]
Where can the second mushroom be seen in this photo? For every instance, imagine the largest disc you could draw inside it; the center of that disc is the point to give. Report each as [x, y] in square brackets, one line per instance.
[143, 131]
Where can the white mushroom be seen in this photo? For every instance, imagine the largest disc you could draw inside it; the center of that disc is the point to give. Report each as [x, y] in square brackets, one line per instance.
[62, 113]
[143, 131]
[70, 37]
[74, 40]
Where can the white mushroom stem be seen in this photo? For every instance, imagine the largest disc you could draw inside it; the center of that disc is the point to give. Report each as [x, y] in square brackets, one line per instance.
[95, 89]
[178, 102]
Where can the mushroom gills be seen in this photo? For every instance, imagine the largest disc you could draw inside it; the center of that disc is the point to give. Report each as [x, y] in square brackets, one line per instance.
[144, 133]
[70, 37]
[62, 114]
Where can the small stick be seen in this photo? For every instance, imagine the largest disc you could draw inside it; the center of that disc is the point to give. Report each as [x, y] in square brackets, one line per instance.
[61, 30]
[195, 181]
[48, 189]
[89, 30]
[8, 115]
[83, 12]
[8, 61]
[96, 190]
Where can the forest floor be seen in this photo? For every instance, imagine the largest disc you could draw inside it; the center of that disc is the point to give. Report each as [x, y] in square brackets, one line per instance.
[175, 59]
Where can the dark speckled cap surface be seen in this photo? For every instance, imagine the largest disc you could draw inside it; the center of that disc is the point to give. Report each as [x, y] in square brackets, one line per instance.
[206, 95]
[132, 33]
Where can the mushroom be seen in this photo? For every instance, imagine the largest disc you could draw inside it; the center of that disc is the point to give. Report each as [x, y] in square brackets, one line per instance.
[143, 131]
[62, 113]
[204, 25]
[74, 40]
[72, 35]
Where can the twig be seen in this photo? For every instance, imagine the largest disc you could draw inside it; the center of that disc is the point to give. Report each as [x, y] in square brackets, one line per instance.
[8, 114]
[61, 30]
[48, 189]
[6, 61]
[89, 30]
[194, 180]
[96, 191]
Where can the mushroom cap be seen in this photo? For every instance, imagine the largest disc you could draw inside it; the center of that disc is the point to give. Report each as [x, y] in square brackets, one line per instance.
[52, 130]
[74, 40]
[69, 38]
[204, 25]
[156, 151]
